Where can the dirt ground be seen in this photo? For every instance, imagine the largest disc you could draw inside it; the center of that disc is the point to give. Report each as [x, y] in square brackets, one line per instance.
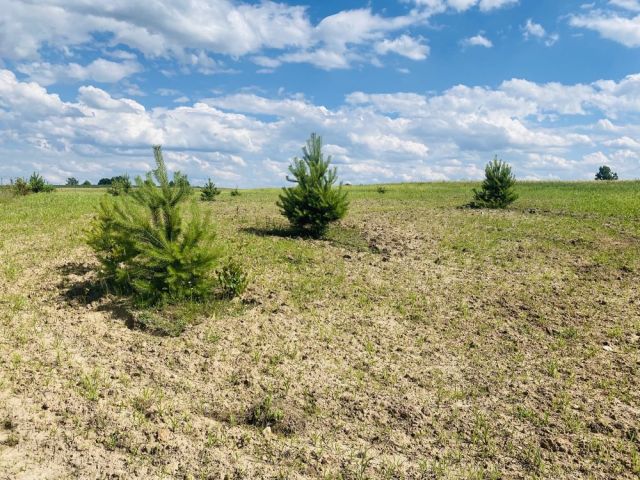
[419, 341]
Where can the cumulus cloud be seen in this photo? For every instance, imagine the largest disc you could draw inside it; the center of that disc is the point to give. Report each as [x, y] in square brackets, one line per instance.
[248, 139]
[614, 26]
[537, 31]
[404, 45]
[100, 70]
[477, 41]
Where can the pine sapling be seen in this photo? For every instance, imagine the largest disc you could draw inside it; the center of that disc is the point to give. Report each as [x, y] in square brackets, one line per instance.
[497, 189]
[315, 201]
[209, 191]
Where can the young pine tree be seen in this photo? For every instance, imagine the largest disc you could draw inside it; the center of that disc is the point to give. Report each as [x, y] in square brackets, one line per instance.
[497, 189]
[145, 245]
[209, 191]
[315, 201]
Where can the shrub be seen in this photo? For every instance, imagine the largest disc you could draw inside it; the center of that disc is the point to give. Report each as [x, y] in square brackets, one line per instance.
[120, 185]
[497, 188]
[38, 184]
[104, 182]
[605, 173]
[314, 202]
[72, 182]
[145, 247]
[381, 189]
[209, 191]
[235, 192]
[86, 183]
[21, 187]
[232, 280]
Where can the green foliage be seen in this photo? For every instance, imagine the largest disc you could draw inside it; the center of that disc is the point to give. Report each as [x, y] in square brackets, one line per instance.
[104, 182]
[235, 192]
[38, 184]
[314, 202]
[146, 247]
[497, 189]
[605, 173]
[72, 182]
[21, 187]
[209, 191]
[180, 178]
[381, 189]
[86, 183]
[265, 413]
[232, 280]
[120, 185]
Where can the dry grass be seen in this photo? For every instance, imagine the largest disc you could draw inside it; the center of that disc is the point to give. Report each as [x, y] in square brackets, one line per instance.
[419, 341]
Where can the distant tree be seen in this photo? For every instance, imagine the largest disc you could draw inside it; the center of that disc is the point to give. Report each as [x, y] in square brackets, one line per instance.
[104, 182]
[209, 191]
[72, 182]
[497, 190]
[38, 184]
[179, 178]
[20, 186]
[315, 201]
[120, 185]
[86, 183]
[605, 173]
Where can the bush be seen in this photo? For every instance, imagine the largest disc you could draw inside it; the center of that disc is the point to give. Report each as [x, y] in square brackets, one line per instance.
[497, 188]
[104, 182]
[21, 187]
[381, 189]
[235, 192]
[38, 184]
[86, 183]
[314, 202]
[605, 173]
[209, 192]
[72, 182]
[232, 280]
[146, 248]
[120, 185]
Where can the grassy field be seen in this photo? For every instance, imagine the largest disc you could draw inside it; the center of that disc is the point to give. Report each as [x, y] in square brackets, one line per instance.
[419, 340]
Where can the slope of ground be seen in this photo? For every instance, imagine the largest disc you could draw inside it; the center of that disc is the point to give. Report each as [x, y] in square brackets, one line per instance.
[420, 340]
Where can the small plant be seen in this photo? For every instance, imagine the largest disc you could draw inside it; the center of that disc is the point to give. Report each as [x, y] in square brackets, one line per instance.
[120, 185]
[21, 187]
[232, 280]
[265, 413]
[381, 189]
[146, 247]
[235, 192]
[209, 191]
[497, 189]
[38, 184]
[605, 173]
[314, 202]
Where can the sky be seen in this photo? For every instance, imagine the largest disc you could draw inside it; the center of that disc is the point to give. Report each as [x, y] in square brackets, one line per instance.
[399, 90]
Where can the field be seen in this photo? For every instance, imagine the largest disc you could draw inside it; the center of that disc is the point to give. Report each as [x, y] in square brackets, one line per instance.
[418, 340]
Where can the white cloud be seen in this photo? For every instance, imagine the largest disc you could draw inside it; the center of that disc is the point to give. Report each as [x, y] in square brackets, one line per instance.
[100, 70]
[535, 30]
[610, 25]
[404, 45]
[633, 5]
[391, 136]
[477, 41]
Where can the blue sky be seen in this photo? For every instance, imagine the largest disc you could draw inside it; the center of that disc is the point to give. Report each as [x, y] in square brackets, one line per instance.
[400, 90]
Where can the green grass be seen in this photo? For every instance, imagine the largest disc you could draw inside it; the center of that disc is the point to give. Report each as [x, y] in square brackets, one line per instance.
[417, 338]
